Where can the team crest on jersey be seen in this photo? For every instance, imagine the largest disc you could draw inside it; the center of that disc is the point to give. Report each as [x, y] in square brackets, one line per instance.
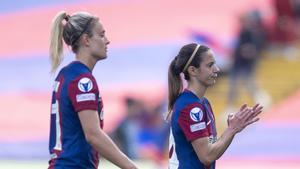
[196, 114]
[85, 84]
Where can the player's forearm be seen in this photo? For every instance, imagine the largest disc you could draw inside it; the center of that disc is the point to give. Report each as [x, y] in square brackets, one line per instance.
[216, 150]
[103, 144]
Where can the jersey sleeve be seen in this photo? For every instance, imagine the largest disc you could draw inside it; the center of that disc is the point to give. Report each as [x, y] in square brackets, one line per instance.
[193, 121]
[83, 92]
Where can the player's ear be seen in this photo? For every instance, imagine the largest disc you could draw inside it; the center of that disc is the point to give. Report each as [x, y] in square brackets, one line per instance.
[191, 70]
[85, 39]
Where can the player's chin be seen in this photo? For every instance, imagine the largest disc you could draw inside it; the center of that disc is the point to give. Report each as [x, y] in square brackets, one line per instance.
[104, 56]
[211, 82]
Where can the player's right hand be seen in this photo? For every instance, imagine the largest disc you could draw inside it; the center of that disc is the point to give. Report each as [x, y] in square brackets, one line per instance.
[244, 117]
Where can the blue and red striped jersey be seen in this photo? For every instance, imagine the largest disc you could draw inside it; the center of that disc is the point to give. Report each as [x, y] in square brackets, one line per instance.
[75, 89]
[192, 118]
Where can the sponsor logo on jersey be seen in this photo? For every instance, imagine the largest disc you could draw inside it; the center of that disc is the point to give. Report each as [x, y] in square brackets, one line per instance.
[196, 114]
[85, 84]
[197, 126]
[85, 97]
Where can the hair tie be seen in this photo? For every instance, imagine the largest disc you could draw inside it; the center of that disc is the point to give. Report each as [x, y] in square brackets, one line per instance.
[67, 17]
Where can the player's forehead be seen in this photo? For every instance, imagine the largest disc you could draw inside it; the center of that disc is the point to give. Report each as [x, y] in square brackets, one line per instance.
[208, 57]
[98, 28]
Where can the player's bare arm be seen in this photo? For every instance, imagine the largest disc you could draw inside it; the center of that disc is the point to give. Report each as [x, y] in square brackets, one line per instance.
[208, 152]
[101, 142]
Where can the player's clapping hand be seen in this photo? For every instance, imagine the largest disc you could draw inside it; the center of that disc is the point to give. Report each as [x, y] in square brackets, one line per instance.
[244, 117]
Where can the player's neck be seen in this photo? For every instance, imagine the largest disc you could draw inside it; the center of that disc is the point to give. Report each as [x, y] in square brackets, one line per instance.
[197, 89]
[86, 60]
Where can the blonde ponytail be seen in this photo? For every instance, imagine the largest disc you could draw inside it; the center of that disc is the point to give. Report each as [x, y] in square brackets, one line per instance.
[56, 41]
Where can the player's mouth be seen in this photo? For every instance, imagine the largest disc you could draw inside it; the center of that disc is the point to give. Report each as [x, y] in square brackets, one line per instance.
[214, 76]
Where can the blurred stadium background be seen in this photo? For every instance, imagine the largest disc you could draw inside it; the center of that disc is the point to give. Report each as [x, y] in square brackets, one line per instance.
[145, 35]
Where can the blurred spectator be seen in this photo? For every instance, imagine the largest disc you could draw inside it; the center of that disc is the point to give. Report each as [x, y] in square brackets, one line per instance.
[284, 21]
[126, 134]
[143, 133]
[296, 8]
[154, 135]
[285, 32]
[250, 43]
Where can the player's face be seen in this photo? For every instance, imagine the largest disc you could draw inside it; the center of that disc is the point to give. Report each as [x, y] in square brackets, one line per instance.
[99, 42]
[208, 70]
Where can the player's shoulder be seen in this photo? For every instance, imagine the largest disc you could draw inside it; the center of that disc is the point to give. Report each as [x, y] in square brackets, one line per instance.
[189, 102]
[187, 98]
[76, 70]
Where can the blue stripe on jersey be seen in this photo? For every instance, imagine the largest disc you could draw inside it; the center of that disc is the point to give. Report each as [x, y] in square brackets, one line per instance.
[185, 154]
[75, 151]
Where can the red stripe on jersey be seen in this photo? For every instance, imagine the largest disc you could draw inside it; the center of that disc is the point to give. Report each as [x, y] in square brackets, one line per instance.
[185, 122]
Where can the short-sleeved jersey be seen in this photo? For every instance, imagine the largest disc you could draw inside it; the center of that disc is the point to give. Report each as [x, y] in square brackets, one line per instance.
[75, 89]
[192, 118]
